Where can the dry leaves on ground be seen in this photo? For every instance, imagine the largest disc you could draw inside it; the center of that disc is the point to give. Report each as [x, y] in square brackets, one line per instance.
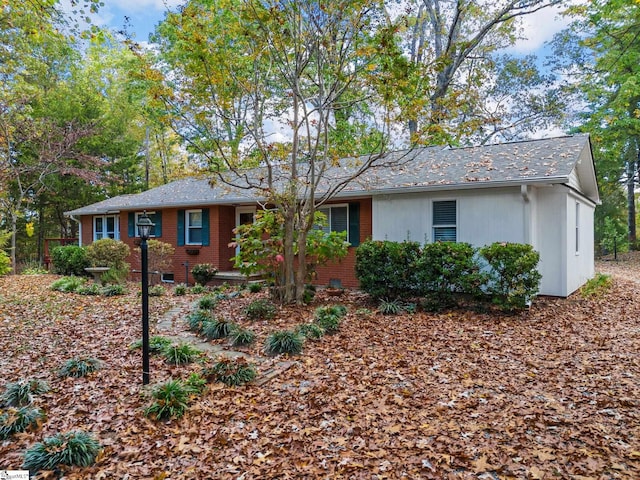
[549, 393]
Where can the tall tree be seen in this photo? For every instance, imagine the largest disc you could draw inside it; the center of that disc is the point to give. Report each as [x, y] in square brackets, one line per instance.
[270, 84]
[454, 44]
[603, 51]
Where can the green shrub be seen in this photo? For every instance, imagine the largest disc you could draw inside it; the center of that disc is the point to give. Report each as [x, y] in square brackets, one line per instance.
[260, 310]
[446, 268]
[242, 337]
[196, 383]
[68, 284]
[20, 393]
[79, 367]
[171, 400]
[309, 293]
[156, 291]
[112, 290]
[310, 330]
[596, 286]
[255, 287]
[233, 372]
[111, 253]
[388, 269]
[514, 279]
[208, 302]
[390, 307]
[329, 317]
[16, 420]
[88, 289]
[33, 268]
[198, 289]
[181, 354]
[157, 344]
[284, 341]
[197, 320]
[214, 329]
[180, 290]
[77, 449]
[70, 260]
[203, 273]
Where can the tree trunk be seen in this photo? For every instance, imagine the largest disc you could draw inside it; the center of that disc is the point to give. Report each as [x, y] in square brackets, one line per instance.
[631, 199]
[289, 294]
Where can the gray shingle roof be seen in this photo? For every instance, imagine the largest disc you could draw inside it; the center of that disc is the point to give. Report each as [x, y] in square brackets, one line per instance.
[535, 161]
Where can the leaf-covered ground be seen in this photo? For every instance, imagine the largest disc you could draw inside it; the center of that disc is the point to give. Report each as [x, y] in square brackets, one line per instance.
[550, 393]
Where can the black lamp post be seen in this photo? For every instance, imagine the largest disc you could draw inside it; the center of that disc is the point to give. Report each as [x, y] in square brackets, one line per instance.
[144, 230]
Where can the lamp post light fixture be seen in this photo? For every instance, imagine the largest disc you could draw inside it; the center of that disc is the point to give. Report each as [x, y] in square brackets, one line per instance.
[145, 225]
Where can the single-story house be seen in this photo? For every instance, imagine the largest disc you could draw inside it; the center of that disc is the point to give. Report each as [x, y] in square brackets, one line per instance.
[540, 192]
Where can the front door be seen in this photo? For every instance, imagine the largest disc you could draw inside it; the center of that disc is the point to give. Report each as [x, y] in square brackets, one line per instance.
[244, 216]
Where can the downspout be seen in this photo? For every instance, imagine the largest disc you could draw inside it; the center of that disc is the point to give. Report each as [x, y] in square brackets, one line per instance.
[79, 229]
[526, 217]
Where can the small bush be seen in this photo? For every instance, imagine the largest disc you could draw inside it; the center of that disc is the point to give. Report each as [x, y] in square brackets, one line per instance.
[207, 303]
[68, 284]
[310, 330]
[79, 367]
[197, 320]
[215, 329]
[242, 337]
[111, 253]
[157, 344]
[390, 307]
[70, 260]
[180, 290]
[309, 293]
[284, 341]
[387, 269]
[260, 310]
[196, 383]
[112, 290]
[198, 289]
[181, 354]
[16, 420]
[171, 400]
[233, 372]
[255, 287]
[77, 449]
[329, 317]
[203, 273]
[514, 279]
[596, 286]
[88, 289]
[20, 393]
[34, 269]
[156, 291]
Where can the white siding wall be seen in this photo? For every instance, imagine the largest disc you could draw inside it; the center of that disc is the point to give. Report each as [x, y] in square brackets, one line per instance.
[484, 216]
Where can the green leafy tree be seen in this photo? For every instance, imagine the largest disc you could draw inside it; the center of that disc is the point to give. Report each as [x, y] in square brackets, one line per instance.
[241, 71]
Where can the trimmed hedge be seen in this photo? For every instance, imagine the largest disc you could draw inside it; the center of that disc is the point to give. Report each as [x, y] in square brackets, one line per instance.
[440, 271]
[70, 260]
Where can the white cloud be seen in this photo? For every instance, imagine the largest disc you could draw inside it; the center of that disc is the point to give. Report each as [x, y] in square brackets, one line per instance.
[136, 6]
[538, 28]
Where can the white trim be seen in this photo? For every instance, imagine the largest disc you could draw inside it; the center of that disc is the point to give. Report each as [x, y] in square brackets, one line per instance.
[331, 206]
[116, 226]
[188, 227]
[240, 211]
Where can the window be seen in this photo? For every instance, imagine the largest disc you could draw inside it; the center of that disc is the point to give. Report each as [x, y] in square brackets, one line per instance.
[105, 226]
[577, 228]
[193, 227]
[337, 218]
[444, 221]
[154, 219]
[167, 278]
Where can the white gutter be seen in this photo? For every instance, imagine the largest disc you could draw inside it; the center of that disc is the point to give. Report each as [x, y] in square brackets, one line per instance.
[79, 229]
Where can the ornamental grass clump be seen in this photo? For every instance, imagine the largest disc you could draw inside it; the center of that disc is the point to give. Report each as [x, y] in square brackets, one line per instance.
[73, 449]
[390, 307]
[68, 284]
[330, 317]
[20, 393]
[233, 371]
[207, 302]
[79, 367]
[260, 309]
[171, 400]
[242, 337]
[157, 344]
[310, 330]
[284, 341]
[198, 319]
[16, 420]
[215, 329]
[181, 354]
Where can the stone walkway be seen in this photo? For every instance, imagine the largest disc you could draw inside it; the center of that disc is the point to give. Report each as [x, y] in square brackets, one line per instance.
[268, 368]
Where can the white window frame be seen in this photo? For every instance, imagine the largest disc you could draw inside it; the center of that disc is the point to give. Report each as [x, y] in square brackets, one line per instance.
[136, 218]
[116, 227]
[435, 226]
[327, 228]
[240, 211]
[188, 227]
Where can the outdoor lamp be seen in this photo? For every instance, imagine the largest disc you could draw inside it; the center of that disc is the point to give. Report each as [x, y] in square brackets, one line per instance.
[144, 226]
[144, 230]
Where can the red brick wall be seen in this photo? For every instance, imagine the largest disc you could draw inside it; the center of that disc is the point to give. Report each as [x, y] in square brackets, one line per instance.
[222, 220]
[344, 270]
